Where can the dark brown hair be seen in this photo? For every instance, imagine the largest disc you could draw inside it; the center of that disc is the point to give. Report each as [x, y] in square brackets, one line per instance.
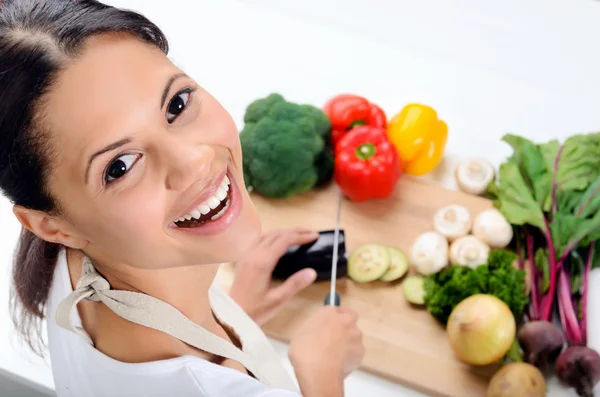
[36, 37]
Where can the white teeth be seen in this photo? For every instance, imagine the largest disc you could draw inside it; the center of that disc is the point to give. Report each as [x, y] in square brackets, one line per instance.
[211, 203]
[221, 194]
[220, 213]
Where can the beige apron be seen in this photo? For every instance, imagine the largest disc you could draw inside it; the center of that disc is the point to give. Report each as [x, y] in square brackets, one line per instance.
[257, 354]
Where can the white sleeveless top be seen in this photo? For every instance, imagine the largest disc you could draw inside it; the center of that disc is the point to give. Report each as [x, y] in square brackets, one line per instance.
[82, 371]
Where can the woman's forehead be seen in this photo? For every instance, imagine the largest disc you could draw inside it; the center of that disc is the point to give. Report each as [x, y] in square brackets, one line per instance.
[108, 92]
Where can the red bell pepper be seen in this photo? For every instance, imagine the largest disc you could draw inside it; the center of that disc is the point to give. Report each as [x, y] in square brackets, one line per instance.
[347, 111]
[367, 164]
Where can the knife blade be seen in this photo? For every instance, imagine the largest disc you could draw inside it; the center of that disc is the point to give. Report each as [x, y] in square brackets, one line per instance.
[333, 299]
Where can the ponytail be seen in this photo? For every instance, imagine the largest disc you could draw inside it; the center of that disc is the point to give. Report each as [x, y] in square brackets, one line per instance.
[38, 40]
[33, 269]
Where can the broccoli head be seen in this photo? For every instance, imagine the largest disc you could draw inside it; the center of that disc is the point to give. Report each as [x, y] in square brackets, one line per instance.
[285, 147]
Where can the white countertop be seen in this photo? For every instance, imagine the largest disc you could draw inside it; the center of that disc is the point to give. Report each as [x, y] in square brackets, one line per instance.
[488, 68]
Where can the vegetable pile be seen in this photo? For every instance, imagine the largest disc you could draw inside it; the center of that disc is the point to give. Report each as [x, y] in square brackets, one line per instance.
[496, 279]
[291, 148]
[550, 193]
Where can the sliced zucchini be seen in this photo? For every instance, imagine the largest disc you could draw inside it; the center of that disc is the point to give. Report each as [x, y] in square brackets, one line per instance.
[368, 263]
[398, 265]
[413, 290]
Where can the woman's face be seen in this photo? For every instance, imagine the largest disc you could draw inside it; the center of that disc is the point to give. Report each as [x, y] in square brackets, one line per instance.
[140, 147]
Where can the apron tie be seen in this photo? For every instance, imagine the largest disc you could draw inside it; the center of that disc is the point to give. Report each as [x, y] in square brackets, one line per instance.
[153, 313]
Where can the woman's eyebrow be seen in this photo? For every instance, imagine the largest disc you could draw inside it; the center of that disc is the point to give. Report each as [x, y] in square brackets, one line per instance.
[168, 87]
[112, 146]
[125, 141]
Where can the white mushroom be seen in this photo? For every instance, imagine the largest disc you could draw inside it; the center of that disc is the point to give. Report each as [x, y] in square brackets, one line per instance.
[474, 175]
[469, 251]
[453, 221]
[491, 227]
[429, 253]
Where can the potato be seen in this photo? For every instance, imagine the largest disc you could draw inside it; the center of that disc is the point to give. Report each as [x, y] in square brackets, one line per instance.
[517, 380]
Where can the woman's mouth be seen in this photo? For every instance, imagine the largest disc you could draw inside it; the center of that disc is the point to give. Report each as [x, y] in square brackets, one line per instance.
[210, 210]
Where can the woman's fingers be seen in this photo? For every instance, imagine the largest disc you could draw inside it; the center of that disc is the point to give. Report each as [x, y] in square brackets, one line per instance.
[294, 284]
[290, 238]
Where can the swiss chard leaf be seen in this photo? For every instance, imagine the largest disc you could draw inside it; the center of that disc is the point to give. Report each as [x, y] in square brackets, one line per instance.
[515, 200]
[530, 159]
[579, 162]
[549, 151]
[589, 201]
[588, 230]
[563, 228]
[543, 265]
[576, 269]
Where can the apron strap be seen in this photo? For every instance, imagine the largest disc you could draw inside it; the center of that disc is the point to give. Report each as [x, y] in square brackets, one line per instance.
[147, 311]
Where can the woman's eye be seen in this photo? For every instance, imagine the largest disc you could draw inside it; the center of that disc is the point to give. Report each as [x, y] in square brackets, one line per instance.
[177, 105]
[119, 167]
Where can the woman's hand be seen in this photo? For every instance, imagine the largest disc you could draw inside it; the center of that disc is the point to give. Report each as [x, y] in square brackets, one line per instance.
[326, 349]
[252, 287]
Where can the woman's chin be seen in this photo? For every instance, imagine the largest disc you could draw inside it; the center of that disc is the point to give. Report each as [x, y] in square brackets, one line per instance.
[242, 236]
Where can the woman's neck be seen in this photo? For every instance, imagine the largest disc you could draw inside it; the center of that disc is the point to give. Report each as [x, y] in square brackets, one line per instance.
[185, 288]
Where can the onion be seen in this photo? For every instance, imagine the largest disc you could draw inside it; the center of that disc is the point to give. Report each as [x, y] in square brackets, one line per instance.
[481, 329]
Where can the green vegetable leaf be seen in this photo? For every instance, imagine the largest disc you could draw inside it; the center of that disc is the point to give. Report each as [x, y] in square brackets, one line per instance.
[542, 264]
[515, 199]
[596, 258]
[576, 269]
[498, 259]
[563, 228]
[588, 230]
[579, 162]
[589, 200]
[530, 159]
[549, 151]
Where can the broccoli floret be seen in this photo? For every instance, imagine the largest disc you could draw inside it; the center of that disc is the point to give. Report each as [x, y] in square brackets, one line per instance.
[322, 122]
[283, 145]
[259, 108]
[324, 163]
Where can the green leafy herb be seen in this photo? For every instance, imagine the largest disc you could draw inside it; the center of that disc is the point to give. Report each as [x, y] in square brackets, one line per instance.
[446, 289]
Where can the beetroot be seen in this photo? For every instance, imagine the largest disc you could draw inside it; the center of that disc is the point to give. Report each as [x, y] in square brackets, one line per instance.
[579, 367]
[541, 342]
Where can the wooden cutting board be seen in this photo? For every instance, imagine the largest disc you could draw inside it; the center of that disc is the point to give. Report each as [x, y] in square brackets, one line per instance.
[404, 343]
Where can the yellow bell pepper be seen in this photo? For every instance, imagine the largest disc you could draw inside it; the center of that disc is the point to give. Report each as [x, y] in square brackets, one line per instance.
[420, 138]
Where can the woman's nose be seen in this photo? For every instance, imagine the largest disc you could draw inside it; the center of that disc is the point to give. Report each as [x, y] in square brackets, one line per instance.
[187, 163]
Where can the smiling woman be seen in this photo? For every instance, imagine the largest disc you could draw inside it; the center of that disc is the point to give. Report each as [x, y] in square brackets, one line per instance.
[126, 176]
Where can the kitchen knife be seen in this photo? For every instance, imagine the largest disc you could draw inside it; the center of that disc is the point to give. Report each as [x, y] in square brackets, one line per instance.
[333, 299]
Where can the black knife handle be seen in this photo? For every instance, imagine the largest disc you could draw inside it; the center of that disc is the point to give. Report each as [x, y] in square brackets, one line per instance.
[336, 300]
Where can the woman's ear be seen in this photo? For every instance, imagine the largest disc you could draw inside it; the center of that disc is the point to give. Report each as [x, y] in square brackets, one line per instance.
[48, 228]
